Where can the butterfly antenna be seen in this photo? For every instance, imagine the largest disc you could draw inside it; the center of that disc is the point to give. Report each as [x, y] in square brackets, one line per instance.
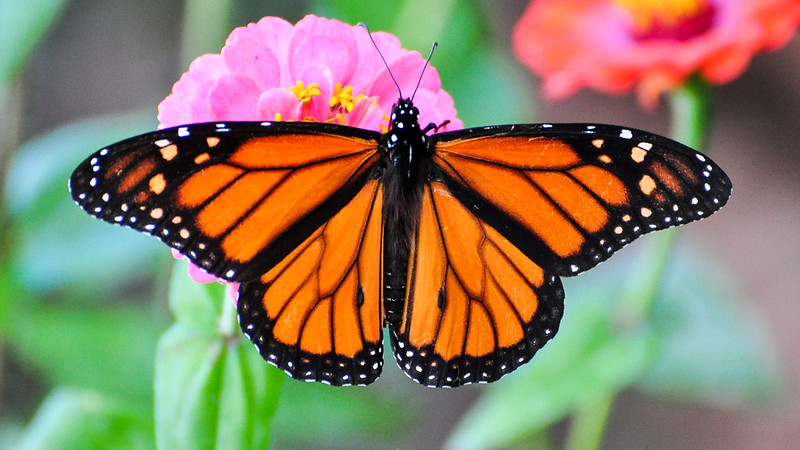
[430, 55]
[369, 33]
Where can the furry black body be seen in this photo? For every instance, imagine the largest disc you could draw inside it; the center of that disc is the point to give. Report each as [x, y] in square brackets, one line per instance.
[406, 152]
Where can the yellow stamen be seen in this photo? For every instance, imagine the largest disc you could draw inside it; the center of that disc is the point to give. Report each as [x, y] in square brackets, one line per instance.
[278, 117]
[649, 13]
[343, 96]
[304, 93]
[339, 119]
[384, 127]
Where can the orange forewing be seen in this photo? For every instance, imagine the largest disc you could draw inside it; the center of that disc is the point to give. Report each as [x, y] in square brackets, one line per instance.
[540, 183]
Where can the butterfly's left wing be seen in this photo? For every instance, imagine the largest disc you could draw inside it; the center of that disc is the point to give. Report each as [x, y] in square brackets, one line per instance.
[570, 195]
[476, 307]
[236, 197]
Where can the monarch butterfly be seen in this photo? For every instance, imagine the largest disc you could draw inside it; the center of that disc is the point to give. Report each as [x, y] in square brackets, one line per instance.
[454, 240]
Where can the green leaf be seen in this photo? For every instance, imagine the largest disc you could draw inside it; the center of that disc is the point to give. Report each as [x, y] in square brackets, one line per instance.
[75, 419]
[715, 348]
[106, 348]
[591, 357]
[213, 390]
[194, 304]
[79, 249]
[23, 24]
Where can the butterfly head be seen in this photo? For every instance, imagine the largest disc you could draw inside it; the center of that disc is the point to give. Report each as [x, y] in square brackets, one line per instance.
[404, 126]
[405, 116]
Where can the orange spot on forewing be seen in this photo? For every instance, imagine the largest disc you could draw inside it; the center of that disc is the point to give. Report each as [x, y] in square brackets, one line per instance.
[292, 150]
[647, 184]
[304, 190]
[234, 201]
[157, 183]
[202, 185]
[520, 152]
[201, 158]
[603, 183]
[134, 175]
[668, 178]
[573, 199]
[169, 152]
[515, 194]
[638, 154]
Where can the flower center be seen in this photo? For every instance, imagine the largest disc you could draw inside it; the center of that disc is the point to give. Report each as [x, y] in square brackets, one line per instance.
[668, 19]
[343, 96]
[304, 93]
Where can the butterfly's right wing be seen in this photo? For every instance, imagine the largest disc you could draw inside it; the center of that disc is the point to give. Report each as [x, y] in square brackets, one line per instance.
[476, 307]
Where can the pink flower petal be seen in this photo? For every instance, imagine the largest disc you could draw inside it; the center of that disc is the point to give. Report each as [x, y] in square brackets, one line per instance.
[233, 292]
[234, 97]
[248, 53]
[367, 114]
[368, 64]
[197, 274]
[187, 103]
[323, 42]
[279, 101]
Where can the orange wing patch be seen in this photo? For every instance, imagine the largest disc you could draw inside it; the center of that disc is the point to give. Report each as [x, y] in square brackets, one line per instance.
[234, 204]
[559, 203]
[318, 313]
[476, 307]
[570, 195]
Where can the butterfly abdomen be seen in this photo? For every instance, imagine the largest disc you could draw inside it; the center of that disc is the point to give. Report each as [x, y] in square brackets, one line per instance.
[407, 154]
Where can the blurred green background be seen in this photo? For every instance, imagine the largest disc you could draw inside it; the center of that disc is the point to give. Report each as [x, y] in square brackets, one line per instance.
[83, 304]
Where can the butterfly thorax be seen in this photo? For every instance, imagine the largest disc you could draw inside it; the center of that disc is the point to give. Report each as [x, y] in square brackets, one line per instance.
[407, 154]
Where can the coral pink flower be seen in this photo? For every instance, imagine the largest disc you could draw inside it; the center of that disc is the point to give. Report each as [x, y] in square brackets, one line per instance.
[317, 70]
[652, 46]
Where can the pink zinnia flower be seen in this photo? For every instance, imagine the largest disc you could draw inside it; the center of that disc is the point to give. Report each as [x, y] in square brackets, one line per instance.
[317, 70]
[652, 46]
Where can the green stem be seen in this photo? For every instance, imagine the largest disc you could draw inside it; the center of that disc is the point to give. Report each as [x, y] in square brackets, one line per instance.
[588, 425]
[226, 326]
[691, 113]
[206, 25]
[690, 109]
